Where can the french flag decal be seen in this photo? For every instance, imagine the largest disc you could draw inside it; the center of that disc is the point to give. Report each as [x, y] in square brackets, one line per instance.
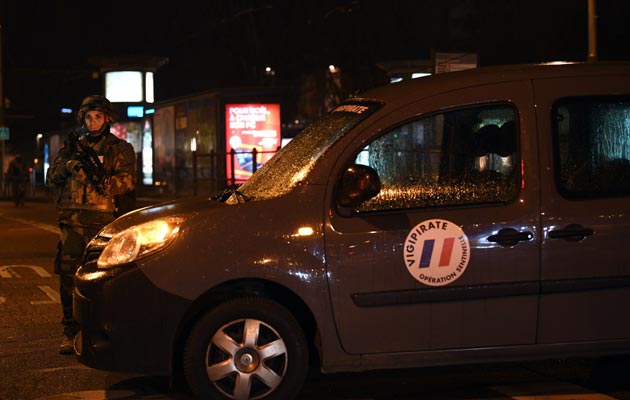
[444, 254]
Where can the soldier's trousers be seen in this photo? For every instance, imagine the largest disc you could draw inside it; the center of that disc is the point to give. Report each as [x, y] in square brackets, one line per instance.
[77, 229]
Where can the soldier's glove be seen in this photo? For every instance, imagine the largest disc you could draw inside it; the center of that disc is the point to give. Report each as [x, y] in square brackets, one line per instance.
[73, 166]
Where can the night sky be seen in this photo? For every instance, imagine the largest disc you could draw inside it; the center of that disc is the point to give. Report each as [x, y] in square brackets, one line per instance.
[48, 46]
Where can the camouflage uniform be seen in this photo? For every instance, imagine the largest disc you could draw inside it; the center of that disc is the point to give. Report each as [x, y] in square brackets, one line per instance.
[84, 206]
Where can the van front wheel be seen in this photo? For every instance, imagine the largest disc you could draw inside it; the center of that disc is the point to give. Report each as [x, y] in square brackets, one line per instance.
[246, 348]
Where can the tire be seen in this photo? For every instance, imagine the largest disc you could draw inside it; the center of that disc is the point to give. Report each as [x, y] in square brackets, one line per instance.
[268, 362]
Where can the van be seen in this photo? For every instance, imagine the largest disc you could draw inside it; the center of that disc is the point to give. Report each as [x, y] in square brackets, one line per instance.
[473, 216]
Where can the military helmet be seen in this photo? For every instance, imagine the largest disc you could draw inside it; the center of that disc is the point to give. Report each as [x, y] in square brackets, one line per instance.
[96, 103]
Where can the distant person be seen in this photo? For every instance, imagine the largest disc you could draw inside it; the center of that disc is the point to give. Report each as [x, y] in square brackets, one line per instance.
[93, 175]
[17, 175]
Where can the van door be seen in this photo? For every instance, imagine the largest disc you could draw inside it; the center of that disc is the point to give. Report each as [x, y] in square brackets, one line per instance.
[447, 255]
[585, 155]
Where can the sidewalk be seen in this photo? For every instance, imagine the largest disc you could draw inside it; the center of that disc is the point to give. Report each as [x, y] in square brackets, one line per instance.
[42, 196]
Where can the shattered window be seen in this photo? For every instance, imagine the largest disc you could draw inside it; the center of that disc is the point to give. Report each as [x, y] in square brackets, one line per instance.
[462, 157]
[592, 146]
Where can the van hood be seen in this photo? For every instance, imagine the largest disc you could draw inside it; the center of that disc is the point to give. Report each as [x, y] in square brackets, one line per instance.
[185, 207]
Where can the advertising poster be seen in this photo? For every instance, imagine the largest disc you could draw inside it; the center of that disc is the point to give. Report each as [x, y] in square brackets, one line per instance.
[251, 130]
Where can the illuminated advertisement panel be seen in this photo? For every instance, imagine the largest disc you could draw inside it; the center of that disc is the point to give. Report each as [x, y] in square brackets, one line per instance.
[123, 86]
[250, 127]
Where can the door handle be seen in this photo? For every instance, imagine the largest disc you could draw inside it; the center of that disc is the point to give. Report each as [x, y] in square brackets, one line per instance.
[571, 232]
[510, 237]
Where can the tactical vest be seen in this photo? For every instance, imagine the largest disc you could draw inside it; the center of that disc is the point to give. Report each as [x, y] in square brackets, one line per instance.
[84, 194]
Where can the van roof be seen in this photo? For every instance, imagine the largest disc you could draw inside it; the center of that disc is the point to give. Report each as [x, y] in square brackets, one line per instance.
[442, 83]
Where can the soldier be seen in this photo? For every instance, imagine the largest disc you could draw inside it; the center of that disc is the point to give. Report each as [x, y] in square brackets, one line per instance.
[86, 192]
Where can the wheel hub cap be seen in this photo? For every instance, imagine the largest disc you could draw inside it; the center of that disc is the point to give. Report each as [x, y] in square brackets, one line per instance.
[246, 360]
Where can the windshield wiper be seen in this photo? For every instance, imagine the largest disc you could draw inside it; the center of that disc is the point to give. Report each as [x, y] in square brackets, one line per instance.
[228, 192]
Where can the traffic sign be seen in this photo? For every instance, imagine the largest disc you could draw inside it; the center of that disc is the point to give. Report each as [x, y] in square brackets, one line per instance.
[4, 133]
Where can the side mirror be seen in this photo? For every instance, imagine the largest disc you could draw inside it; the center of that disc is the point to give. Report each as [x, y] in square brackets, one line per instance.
[358, 184]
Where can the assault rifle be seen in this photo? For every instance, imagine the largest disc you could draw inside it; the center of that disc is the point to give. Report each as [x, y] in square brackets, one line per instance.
[90, 163]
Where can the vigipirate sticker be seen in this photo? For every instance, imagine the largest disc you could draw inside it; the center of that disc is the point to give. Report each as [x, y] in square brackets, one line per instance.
[436, 252]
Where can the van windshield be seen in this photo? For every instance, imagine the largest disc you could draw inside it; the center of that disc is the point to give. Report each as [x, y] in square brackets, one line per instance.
[291, 164]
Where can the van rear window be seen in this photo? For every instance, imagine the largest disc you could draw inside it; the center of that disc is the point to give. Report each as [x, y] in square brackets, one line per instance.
[592, 146]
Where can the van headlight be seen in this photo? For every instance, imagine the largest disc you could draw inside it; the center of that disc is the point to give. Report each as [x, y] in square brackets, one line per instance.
[138, 241]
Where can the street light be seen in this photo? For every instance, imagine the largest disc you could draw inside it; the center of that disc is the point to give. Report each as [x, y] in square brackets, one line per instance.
[592, 31]
[38, 139]
[270, 75]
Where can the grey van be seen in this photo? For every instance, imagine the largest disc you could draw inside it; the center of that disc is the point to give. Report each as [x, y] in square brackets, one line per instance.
[472, 216]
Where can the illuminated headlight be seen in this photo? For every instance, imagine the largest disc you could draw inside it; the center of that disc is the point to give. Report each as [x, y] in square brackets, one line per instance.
[138, 241]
